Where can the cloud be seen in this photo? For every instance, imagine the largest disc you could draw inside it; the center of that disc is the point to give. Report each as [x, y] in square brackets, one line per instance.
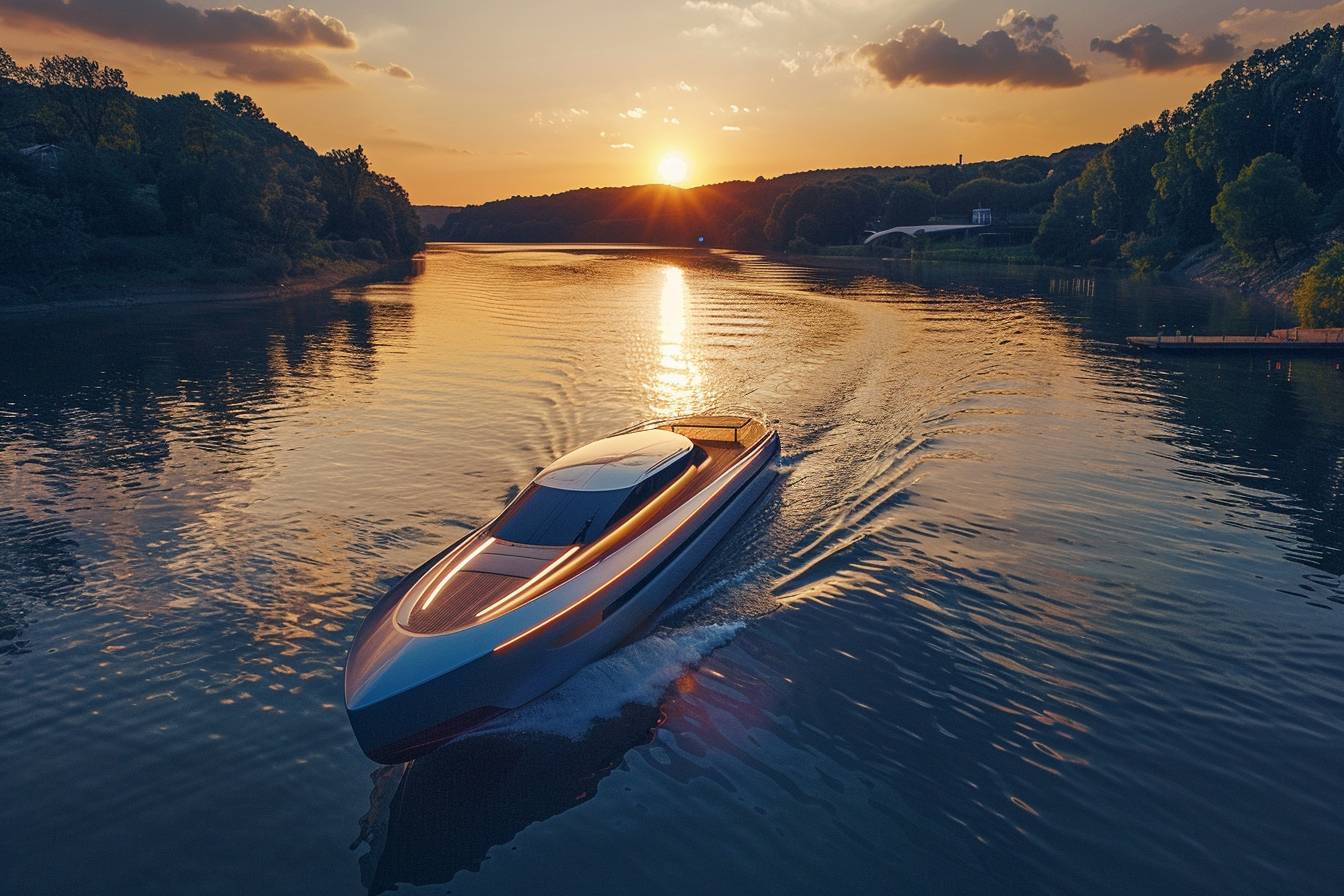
[637, 112]
[1023, 51]
[731, 128]
[684, 87]
[622, 145]
[1267, 27]
[392, 70]
[263, 46]
[1150, 49]
[753, 15]
[557, 118]
[418, 146]
[710, 30]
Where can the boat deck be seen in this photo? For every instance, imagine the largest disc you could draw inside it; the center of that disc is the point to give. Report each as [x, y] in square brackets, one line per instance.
[458, 594]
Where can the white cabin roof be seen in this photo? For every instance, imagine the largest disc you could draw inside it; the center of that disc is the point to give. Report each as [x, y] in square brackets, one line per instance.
[617, 462]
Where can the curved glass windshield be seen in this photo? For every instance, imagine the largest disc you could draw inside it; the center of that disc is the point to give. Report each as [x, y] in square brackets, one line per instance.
[556, 516]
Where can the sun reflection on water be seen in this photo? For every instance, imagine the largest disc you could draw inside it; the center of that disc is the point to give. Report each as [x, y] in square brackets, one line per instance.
[676, 386]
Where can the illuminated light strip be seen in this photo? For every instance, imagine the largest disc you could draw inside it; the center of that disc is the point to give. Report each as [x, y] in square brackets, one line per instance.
[455, 570]
[677, 483]
[746, 459]
[508, 599]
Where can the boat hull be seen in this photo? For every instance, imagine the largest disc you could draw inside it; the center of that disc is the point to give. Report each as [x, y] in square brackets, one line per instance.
[407, 694]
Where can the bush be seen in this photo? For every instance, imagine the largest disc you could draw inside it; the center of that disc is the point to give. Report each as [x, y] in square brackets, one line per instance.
[801, 246]
[1149, 252]
[1320, 296]
[370, 249]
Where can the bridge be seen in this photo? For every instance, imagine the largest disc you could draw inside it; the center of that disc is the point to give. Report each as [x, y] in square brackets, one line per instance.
[922, 230]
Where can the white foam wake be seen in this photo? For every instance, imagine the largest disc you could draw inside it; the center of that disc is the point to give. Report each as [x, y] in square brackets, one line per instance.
[637, 673]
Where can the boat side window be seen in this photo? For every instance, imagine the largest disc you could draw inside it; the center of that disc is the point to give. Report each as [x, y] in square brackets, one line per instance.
[651, 487]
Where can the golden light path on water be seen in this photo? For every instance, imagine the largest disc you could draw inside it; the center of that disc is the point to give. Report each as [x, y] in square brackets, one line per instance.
[676, 386]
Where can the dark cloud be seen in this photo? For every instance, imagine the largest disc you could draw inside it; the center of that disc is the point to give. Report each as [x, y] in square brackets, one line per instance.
[266, 66]
[392, 70]
[1150, 49]
[1023, 51]
[257, 46]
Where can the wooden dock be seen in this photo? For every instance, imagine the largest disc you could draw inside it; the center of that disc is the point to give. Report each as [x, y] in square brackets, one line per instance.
[1293, 340]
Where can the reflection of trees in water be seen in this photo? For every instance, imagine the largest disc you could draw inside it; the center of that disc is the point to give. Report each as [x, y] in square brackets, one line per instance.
[95, 402]
[37, 559]
[103, 393]
[450, 808]
[1271, 426]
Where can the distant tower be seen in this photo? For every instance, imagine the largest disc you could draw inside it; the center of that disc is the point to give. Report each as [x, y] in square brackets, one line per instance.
[958, 160]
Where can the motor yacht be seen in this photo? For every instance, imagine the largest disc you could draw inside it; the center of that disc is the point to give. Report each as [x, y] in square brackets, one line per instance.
[573, 567]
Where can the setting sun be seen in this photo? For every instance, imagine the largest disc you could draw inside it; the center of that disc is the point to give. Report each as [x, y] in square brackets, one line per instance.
[673, 169]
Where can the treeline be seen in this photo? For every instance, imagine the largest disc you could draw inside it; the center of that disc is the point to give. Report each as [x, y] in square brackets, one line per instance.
[95, 180]
[801, 210]
[1256, 159]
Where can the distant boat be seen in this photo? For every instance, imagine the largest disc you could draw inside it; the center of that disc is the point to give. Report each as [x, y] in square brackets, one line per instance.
[578, 562]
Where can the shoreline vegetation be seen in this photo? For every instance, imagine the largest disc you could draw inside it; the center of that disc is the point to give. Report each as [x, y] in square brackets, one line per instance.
[111, 198]
[105, 296]
[1241, 187]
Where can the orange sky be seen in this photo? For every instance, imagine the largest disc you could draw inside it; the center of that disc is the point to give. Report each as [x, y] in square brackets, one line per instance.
[469, 102]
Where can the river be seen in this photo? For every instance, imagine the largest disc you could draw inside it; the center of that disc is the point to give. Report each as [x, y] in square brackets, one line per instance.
[1025, 613]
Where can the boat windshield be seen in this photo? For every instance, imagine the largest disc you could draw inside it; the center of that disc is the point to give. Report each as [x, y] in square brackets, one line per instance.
[558, 516]
[542, 515]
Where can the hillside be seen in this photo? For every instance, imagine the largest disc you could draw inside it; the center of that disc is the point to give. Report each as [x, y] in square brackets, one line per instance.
[831, 206]
[99, 187]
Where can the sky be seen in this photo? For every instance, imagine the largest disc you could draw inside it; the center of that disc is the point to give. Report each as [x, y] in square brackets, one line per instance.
[467, 102]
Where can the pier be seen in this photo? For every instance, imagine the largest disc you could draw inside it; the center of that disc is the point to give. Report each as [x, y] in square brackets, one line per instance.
[1295, 339]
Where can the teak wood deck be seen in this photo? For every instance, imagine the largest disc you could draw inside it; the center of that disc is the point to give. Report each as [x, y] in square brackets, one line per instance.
[460, 601]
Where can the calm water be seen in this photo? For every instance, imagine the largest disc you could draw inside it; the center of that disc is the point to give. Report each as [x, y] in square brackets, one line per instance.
[1024, 614]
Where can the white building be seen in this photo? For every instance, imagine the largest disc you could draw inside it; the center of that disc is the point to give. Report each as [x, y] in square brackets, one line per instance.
[981, 216]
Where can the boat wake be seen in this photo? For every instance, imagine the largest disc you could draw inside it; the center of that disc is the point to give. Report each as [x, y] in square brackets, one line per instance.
[639, 673]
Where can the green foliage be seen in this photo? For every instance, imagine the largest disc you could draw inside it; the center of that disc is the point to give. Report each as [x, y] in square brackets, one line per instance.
[215, 178]
[1320, 296]
[909, 202]
[1266, 205]
[1154, 190]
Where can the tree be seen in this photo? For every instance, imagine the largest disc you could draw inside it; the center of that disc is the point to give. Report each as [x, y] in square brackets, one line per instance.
[1066, 232]
[93, 101]
[1320, 296]
[239, 106]
[1267, 204]
[909, 202]
[9, 69]
[344, 173]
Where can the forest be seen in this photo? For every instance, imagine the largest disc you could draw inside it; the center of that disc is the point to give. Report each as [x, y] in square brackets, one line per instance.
[99, 185]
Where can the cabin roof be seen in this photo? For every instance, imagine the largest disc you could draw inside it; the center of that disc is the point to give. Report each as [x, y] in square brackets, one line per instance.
[617, 462]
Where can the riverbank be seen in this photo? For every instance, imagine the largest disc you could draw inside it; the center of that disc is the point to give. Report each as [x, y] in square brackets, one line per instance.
[1219, 266]
[76, 297]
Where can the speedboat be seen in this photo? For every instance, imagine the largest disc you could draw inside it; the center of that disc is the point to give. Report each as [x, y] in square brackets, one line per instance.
[575, 565]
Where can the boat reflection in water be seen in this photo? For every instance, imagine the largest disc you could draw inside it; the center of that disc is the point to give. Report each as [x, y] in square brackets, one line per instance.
[443, 813]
